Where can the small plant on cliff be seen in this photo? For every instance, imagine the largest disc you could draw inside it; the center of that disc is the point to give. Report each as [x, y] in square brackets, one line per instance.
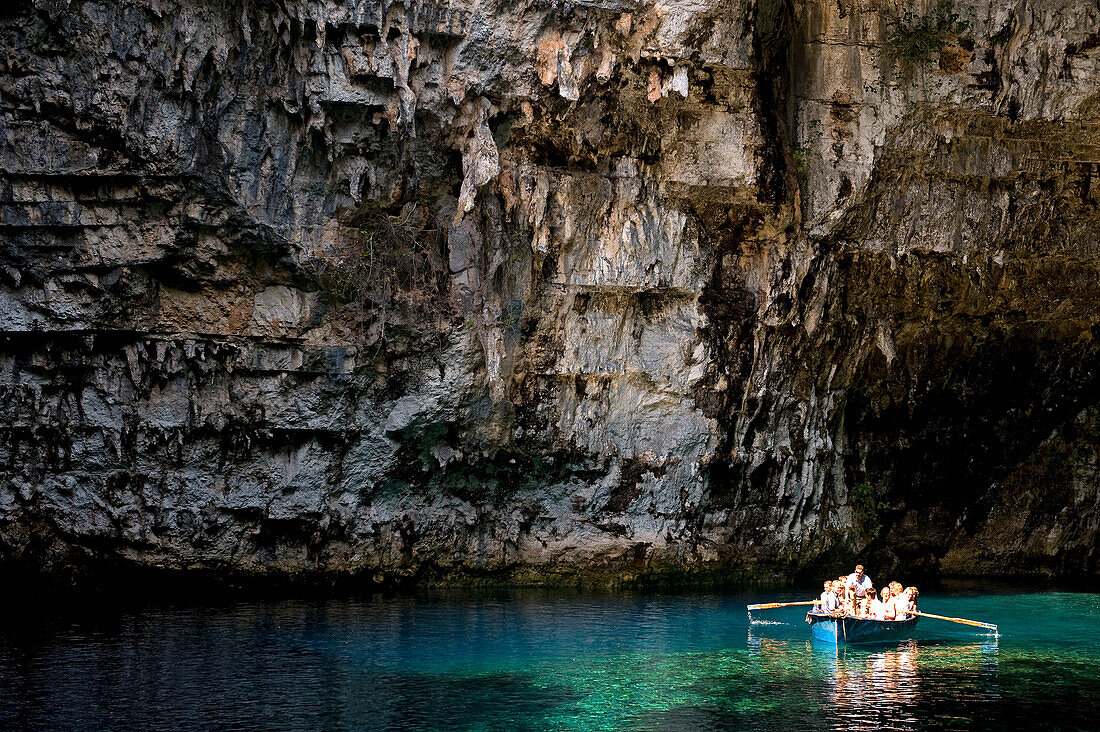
[388, 260]
[913, 41]
[801, 157]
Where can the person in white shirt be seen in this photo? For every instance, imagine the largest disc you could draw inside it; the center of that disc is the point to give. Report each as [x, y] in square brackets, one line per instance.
[888, 601]
[859, 582]
[875, 608]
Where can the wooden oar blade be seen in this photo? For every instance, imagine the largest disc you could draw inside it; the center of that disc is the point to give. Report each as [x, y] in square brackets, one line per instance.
[964, 621]
[770, 605]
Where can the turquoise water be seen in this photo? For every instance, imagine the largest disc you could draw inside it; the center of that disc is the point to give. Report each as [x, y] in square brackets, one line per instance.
[545, 662]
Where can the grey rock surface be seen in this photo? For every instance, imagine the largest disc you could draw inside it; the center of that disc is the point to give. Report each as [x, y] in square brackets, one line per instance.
[550, 291]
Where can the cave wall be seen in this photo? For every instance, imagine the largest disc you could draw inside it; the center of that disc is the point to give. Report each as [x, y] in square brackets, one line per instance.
[547, 290]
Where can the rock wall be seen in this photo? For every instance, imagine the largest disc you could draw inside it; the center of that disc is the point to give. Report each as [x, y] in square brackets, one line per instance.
[545, 290]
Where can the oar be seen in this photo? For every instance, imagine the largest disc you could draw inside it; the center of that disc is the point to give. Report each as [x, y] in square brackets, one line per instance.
[964, 621]
[770, 605]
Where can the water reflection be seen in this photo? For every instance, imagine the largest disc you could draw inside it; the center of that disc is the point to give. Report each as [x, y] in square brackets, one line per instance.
[578, 663]
[871, 690]
[882, 688]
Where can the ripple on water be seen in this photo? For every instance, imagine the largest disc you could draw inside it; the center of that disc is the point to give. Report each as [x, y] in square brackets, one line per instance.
[545, 662]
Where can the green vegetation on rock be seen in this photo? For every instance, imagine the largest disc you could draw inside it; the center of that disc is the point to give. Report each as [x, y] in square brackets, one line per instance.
[914, 40]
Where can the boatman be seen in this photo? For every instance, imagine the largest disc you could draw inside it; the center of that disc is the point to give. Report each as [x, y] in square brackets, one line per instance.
[859, 582]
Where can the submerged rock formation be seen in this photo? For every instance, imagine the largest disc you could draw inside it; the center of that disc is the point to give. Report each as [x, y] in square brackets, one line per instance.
[541, 290]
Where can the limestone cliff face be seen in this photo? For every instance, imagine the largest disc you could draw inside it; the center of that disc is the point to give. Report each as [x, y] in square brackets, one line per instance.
[537, 288]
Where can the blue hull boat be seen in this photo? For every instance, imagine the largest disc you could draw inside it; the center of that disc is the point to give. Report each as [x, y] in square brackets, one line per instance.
[846, 629]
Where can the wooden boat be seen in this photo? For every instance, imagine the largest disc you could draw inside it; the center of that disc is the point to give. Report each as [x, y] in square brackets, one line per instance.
[846, 629]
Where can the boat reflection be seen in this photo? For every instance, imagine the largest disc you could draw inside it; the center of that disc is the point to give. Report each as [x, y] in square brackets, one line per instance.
[881, 688]
[867, 689]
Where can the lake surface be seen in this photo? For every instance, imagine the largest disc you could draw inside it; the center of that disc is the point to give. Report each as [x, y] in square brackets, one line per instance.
[544, 662]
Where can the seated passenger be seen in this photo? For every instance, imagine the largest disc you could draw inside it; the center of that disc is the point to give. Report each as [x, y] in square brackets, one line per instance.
[911, 595]
[848, 601]
[888, 596]
[898, 603]
[838, 590]
[834, 594]
[901, 604]
[875, 609]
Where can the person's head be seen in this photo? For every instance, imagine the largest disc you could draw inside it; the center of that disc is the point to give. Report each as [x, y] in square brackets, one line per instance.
[859, 571]
[912, 592]
[887, 593]
[871, 593]
[828, 586]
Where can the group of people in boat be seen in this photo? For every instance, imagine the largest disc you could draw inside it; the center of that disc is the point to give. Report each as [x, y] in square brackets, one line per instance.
[856, 596]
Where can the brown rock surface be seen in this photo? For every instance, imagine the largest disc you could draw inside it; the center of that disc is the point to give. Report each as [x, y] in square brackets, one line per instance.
[539, 290]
